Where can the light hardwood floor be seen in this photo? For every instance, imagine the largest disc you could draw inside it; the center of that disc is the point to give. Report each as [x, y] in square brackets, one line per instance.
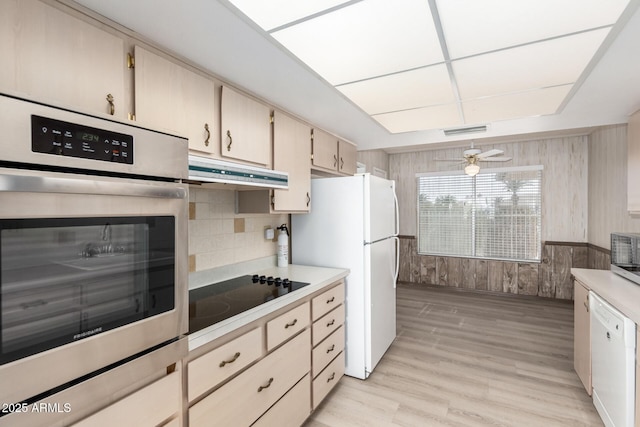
[468, 359]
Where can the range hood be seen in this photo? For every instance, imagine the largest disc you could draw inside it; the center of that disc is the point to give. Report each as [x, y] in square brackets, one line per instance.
[202, 169]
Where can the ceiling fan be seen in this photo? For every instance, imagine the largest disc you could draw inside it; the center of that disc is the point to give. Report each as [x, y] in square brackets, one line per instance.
[472, 156]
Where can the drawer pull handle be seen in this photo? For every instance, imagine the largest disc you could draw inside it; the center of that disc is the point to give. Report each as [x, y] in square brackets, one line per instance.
[330, 300]
[262, 387]
[330, 349]
[332, 377]
[225, 362]
[288, 325]
[331, 323]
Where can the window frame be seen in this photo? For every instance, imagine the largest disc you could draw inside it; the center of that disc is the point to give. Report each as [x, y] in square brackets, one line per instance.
[483, 171]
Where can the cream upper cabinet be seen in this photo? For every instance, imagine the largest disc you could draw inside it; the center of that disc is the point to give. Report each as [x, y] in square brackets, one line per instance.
[52, 56]
[245, 128]
[347, 157]
[324, 148]
[172, 97]
[633, 159]
[331, 154]
[582, 335]
[291, 153]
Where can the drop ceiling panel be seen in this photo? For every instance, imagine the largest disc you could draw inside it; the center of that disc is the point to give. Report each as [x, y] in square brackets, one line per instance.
[550, 63]
[439, 116]
[275, 13]
[366, 39]
[471, 26]
[411, 89]
[516, 105]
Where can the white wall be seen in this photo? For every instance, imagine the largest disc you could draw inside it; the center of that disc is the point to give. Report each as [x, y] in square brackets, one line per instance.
[608, 185]
[565, 182]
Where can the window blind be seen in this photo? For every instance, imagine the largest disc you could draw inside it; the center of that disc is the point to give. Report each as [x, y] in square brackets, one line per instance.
[495, 214]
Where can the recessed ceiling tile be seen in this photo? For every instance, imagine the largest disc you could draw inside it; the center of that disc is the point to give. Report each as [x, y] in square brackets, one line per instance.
[550, 63]
[471, 26]
[516, 105]
[440, 116]
[366, 39]
[410, 89]
[275, 13]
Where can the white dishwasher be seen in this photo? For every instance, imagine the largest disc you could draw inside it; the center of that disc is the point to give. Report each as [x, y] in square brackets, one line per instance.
[613, 363]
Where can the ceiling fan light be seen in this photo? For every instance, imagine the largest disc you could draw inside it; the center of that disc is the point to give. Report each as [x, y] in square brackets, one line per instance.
[472, 169]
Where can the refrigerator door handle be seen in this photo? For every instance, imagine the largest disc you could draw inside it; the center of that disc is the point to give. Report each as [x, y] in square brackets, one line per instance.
[395, 201]
[395, 275]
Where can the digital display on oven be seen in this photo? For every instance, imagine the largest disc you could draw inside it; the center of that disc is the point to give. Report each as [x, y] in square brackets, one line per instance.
[51, 136]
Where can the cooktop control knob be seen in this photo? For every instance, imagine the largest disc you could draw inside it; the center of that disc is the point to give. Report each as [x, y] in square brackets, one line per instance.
[278, 281]
[263, 279]
[270, 280]
[255, 278]
[285, 283]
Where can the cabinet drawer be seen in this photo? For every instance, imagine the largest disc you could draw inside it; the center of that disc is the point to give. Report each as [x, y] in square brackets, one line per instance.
[327, 350]
[327, 301]
[148, 406]
[243, 399]
[210, 369]
[287, 325]
[327, 379]
[292, 409]
[329, 323]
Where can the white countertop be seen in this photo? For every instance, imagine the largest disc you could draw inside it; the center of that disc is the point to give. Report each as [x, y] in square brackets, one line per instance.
[318, 277]
[621, 293]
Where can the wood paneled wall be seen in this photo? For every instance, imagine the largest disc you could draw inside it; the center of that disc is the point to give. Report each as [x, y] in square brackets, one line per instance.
[374, 159]
[551, 278]
[608, 186]
[564, 192]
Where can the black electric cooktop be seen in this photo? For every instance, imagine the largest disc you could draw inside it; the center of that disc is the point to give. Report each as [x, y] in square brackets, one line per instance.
[216, 302]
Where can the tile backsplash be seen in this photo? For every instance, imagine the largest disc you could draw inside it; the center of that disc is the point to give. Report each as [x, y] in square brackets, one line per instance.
[218, 236]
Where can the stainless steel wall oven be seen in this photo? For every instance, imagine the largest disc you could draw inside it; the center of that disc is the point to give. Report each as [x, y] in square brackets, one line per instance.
[93, 256]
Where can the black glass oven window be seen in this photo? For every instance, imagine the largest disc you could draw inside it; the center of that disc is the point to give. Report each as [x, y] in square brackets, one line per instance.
[65, 279]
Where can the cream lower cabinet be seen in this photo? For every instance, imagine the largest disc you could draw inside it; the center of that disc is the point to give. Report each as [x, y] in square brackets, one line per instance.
[328, 341]
[170, 96]
[274, 370]
[582, 334]
[241, 401]
[156, 404]
[53, 56]
[637, 376]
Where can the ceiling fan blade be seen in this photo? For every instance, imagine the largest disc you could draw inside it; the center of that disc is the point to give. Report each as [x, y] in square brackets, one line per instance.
[489, 153]
[496, 159]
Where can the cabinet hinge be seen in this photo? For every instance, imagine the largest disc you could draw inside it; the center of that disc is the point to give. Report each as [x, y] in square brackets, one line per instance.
[311, 156]
[271, 119]
[132, 117]
[311, 135]
[131, 61]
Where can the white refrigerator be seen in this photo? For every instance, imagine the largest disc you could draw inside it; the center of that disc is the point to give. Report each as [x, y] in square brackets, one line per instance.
[353, 224]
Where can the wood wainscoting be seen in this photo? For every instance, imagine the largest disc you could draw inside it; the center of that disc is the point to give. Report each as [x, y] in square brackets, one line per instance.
[551, 278]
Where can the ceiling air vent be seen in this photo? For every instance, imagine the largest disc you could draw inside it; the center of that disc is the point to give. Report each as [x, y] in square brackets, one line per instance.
[469, 129]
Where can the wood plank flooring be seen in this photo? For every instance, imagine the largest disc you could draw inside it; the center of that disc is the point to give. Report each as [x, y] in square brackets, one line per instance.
[468, 359]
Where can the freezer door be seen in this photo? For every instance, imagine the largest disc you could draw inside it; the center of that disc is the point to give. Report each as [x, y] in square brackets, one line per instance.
[381, 210]
[380, 300]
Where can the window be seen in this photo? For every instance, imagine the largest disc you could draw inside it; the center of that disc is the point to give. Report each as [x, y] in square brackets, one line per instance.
[495, 214]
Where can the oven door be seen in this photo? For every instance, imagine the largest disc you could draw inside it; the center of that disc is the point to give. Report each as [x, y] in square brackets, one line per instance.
[92, 271]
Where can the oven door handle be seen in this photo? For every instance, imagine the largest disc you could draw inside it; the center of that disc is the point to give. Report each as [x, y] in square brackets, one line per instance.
[91, 185]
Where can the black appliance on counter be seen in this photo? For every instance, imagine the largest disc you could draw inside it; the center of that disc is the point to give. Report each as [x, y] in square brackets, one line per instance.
[219, 301]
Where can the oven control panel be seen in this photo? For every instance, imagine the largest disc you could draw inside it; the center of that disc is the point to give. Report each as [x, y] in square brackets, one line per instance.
[51, 136]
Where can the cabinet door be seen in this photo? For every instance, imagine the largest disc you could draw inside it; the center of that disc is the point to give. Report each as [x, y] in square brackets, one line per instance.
[582, 335]
[291, 153]
[245, 127]
[633, 163]
[325, 150]
[169, 96]
[347, 153]
[55, 57]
